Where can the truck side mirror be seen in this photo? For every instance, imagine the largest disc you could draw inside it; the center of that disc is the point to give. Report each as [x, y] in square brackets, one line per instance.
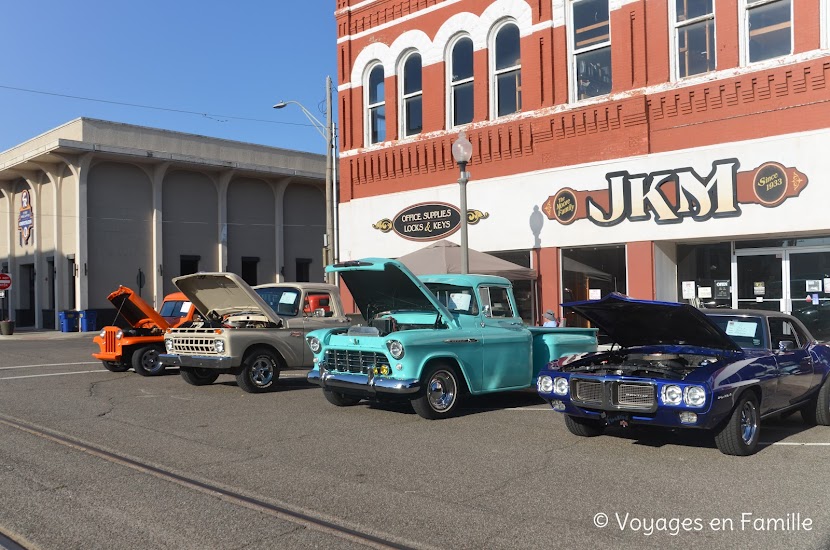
[319, 312]
[487, 312]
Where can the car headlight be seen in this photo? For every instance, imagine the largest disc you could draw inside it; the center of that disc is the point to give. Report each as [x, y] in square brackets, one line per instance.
[560, 386]
[219, 345]
[671, 395]
[314, 344]
[694, 396]
[168, 345]
[119, 334]
[395, 348]
[545, 384]
[103, 333]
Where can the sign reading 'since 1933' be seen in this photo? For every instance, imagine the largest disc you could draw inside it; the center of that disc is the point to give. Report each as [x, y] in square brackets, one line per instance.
[671, 195]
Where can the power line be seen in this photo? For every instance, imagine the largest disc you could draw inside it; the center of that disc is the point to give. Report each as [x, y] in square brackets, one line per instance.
[217, 118]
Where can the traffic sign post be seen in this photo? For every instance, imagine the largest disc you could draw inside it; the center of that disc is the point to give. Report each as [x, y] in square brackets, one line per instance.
[6, 284]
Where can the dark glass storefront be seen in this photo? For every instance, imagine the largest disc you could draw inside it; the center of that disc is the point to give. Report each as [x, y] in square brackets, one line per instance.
[590, 273]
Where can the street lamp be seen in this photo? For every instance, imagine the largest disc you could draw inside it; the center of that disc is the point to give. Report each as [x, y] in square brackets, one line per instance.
[328, 132]
[462, 151]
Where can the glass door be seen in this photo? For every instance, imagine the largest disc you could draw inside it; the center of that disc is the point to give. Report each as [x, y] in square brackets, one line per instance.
[761, 278]
[809, 290]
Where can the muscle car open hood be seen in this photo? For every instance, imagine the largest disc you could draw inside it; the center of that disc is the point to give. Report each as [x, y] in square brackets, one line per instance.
[631, 322]
[134, 310]
[223, 293]
[380, 284]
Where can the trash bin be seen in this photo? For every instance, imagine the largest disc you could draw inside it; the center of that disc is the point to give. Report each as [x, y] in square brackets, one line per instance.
[88, 318]
[68, 320]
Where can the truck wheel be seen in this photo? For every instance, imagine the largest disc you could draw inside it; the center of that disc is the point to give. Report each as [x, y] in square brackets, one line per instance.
[341, 399]
[817, 409]
[439, 398]
[739, 436]
[146, 361]
[114, 366]
[260, 370]
[198, 377]
[583, 427]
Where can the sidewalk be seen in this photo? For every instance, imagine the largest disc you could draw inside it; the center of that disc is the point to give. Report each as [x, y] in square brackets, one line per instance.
[29, 333]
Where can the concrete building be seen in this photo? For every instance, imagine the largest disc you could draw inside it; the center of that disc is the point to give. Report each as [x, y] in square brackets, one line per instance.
[672, 150]
[93, 204]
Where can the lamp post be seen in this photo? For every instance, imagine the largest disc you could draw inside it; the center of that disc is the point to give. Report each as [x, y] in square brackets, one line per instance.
[328, 132]
[462, 151]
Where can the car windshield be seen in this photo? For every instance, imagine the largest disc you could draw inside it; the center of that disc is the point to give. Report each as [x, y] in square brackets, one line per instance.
[284, 301]
[175, 308]
[747, 332]
[458, 299]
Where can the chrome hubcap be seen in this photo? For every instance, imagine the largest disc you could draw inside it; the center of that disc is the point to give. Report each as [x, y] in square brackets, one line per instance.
[749, 422]
[441, 391]
[262, 371]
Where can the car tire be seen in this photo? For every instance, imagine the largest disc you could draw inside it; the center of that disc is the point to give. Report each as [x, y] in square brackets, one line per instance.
[341, 399]
[739, 435]
[583, 427]
[817, 409]
[114, 366]
[146, 361]
[260, 371]
[197, 376]
[441, 393]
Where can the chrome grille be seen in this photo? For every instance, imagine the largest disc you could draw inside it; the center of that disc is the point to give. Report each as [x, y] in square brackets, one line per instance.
[635, 395]
[588, 391]
[353, 361]
[194, 345]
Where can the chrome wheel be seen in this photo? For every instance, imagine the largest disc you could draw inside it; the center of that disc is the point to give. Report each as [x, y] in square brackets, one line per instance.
[262, 371]
[441, 391]
[749, 422]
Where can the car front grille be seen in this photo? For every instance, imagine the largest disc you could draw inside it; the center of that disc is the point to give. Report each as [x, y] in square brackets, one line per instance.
[588, 391]
[196, 345]
[353, 361]
[109, 341]
[634, 395]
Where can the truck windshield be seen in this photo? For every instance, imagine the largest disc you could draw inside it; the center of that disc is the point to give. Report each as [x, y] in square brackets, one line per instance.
[284, 301]
[458, 299]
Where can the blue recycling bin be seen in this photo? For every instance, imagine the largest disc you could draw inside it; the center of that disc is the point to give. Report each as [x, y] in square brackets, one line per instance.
[68, 320]
[88, 318]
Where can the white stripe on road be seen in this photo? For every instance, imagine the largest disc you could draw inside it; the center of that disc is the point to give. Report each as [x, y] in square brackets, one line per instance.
[50, 365]
[53, 374]
[796, 444]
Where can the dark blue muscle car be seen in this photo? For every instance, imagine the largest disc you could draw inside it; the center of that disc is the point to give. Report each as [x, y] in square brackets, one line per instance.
[676, 366]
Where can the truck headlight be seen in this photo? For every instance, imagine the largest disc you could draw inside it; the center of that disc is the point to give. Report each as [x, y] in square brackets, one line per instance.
[168, 345]
[395, 348]
[219, 345]
[671, 395]
[560, 386]
[119, 334]
[314, 344]
[694, 396]
[103, 333]
[545, 384]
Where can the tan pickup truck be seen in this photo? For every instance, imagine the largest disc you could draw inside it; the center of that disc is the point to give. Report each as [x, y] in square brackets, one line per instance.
[250, 332]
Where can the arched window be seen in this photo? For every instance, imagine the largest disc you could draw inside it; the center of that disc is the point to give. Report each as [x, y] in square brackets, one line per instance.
[411, 100]
[461, 82]
[507, 71]
[375, 106]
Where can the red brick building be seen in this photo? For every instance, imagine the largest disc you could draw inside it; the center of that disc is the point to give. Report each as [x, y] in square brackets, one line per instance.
[666, 149]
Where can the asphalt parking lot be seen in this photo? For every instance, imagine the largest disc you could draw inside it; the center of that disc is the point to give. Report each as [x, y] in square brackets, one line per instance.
[94, 459]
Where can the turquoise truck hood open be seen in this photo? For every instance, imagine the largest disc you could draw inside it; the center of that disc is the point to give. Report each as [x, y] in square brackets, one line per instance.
[380, 284]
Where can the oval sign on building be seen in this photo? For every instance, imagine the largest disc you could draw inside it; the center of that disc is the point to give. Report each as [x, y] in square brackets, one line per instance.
[427, 221]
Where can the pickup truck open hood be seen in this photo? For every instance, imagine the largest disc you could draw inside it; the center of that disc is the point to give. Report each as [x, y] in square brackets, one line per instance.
[134, 310]
[381, 284]
[223, 293]
[631, 322]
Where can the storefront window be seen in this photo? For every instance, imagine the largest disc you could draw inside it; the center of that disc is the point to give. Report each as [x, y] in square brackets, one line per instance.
[703, 273]
[591, 273]
[523, 290]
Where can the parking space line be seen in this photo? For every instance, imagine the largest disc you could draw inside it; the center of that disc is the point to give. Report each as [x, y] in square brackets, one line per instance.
[50, 365]
[52, 374]
[796, 444]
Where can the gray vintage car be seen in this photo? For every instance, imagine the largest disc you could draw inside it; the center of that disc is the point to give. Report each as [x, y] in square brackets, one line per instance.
[252, 333]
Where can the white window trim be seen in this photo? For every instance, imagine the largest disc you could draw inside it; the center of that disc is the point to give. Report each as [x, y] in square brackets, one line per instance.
[824, 13]
[491, 48]
[675, 26]
[367, 111]
[573, 89]
[403, 97]
[451, 85]
[743, 28]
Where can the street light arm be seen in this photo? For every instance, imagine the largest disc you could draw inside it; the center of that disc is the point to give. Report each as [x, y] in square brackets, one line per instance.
[319, 126]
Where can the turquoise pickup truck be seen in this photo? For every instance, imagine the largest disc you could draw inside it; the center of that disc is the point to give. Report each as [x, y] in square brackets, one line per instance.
[431, 339]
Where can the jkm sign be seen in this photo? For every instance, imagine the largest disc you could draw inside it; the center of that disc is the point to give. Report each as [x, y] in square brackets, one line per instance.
[428, 221]
[673, 195]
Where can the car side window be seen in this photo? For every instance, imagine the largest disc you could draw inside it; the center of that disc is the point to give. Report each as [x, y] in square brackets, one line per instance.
[498, 300]
[782, 330]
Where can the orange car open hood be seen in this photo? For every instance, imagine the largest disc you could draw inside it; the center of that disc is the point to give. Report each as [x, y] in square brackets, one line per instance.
[134, 310]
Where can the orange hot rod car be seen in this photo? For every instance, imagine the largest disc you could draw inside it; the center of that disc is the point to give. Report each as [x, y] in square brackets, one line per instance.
[139, 345]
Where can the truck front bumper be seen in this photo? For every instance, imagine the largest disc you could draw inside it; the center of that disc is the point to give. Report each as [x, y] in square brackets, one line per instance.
[198, 361]
[363, 384]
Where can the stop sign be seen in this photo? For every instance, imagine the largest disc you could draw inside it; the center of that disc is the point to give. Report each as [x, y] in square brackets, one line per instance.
[5, 281]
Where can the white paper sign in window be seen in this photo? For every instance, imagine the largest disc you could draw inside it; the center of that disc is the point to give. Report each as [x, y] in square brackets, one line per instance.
[460, 301]
[741, 328]
[185, 307]
[288, 298]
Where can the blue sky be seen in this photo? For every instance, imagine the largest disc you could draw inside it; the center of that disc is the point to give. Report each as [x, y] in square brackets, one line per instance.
[222, 59]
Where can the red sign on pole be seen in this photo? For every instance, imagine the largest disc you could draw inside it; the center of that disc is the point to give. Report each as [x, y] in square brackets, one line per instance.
[5, 281]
